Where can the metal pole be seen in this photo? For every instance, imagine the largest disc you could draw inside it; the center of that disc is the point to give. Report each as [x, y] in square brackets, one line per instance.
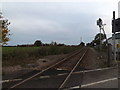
[108, 59]
[105, 34]
[100, 38]
[114, 42]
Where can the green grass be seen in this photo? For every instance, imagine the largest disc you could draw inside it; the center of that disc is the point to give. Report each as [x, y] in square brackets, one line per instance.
[8, 50]
[18, 52]
[21, 55]
[43, 51]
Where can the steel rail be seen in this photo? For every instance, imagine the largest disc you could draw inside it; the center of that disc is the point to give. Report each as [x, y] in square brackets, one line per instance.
[78, 72]
[63, 83]
[44, 70]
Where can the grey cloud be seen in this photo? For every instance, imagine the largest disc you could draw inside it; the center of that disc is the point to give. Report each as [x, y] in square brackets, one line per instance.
[61, 22]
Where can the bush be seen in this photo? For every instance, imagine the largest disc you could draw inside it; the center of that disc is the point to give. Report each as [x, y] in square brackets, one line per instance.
[18, 54]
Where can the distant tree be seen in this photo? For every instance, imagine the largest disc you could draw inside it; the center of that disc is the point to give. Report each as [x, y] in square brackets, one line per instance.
[97, 38]
[53, 43]
[82, 44]
[88, 44]
[60, 44]
[4, 31]
[46, 44]
[38, 43]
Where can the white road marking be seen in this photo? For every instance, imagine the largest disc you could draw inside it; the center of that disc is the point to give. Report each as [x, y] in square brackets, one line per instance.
[12, 80]
[41, 77]
[85, 71]
[59, 69]
[61, 74]
[100, 69]
[4, 81]
[74, 87]
[90, 84]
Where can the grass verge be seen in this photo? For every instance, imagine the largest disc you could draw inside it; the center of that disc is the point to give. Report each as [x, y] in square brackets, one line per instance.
[21, 55]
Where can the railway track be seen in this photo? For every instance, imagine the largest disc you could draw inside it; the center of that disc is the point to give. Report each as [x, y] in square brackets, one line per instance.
[69, 64]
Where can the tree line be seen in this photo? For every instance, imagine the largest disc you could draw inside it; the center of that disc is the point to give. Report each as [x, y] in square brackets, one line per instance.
[38, 43]
[96, 40]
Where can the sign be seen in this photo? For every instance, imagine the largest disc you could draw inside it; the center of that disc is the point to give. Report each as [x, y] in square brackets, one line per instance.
[118, 45]
[117, 25]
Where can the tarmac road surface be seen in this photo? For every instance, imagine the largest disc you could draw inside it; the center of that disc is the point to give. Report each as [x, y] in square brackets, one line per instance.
[106, 78]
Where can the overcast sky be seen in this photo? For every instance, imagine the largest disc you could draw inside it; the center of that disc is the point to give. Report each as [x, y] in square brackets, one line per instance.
[60, 21]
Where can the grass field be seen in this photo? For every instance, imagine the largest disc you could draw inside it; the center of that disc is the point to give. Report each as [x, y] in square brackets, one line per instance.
[19, 55]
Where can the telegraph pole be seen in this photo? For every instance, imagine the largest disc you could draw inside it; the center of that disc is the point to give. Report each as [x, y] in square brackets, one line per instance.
[114, 42]
[100, 39]
[99, 23]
